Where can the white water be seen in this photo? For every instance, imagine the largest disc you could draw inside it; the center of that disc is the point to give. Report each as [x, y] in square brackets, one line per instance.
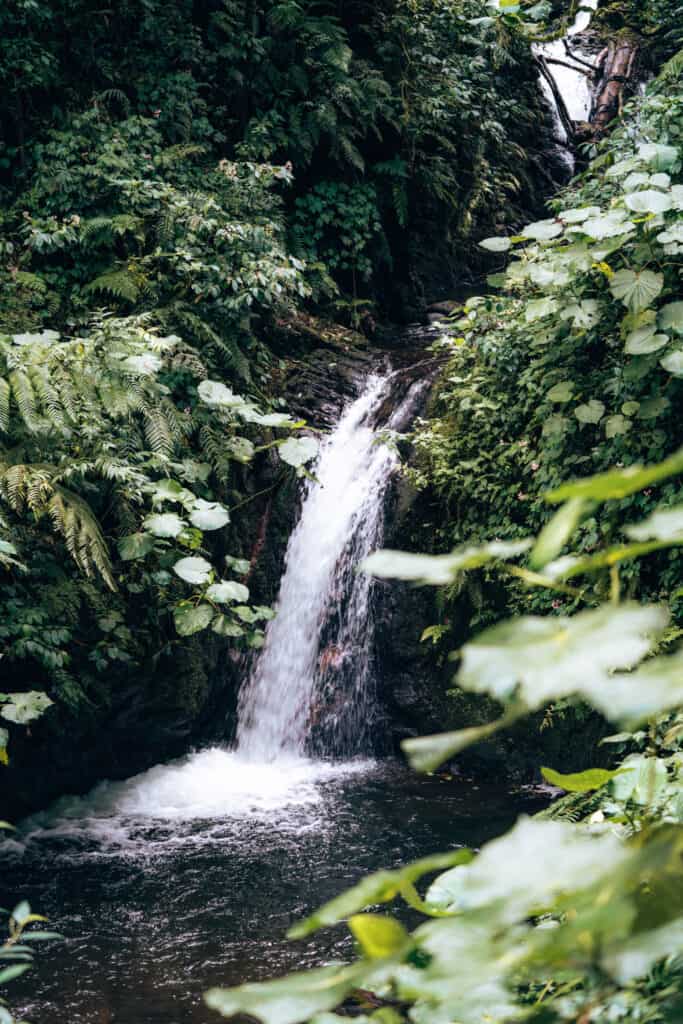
[573, 85]
[315, 670]
[268, 780]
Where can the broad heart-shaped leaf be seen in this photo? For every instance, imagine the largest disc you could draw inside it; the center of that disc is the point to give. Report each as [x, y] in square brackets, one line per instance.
[557, 532]
[579, 782]
[577, 216]
[380, 887]
[536, 660]
[659, 156]
[193, 570]
[21, 708]
[292, 999]
[561, 392]
[496, 244]
[166, 524]
[543, 230]
[226, 591]
[636, 289]
[209, 515]
[663, 524]
[609, 225]
[437, 570]
[214, 393]
[297, 451]
[617, 425]
[135, 545]
[191, 618]
[673, 363]
[630, 698]
[379, 936]
[649, 200]
[517, 875]
[644, 340]
[618, 483]
[671, 317]
[590, 412]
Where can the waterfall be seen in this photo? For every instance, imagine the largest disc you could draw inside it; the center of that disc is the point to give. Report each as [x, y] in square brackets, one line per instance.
[313, 686]
[572, 83]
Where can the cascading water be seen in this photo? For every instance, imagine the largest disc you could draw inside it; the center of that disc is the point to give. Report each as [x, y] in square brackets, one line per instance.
[313, 684]
[570, 78]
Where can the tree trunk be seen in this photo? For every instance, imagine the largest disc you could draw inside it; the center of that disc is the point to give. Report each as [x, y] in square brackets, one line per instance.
[616, 66]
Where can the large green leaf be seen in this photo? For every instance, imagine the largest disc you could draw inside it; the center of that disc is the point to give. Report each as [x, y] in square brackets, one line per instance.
[22, 708]
[557, 532]
[379, 936]
[658, 155]
[648, 200]
[644, 340]
[536, 659]
[191, 619]
[634, 697]
[671, 317]
[209, 515]
[496, 244]
[543, 230]
[297, 451]
[380, 887]
[636, 289]
[673, 363]
[426, 753]
[519, 874]
[226, 591]
[590, 412]
[166, 524]
[664, 524]
[135, 545]
[579, 782]
[193, 570]
[618, 483]
[437, 570]
[216, 394]
[289, 1000]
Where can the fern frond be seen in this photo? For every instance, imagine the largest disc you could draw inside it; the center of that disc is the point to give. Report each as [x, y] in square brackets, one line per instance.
[117, 283]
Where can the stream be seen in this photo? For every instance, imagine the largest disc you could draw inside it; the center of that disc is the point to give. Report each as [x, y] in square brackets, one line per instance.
[188, 875]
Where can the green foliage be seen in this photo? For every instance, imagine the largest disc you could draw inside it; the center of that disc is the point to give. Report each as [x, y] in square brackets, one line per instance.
[575, 916]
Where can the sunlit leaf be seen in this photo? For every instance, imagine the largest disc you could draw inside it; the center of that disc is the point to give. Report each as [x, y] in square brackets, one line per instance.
[190, 619]
[209, 515]
[21, 708]
[636, 289]
[579, 782]
[297, 451]
[437, 570]
[618, 483]
[193, 569]
[226, 591]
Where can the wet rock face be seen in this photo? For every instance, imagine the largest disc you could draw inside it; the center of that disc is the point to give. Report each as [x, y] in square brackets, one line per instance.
[417, 679]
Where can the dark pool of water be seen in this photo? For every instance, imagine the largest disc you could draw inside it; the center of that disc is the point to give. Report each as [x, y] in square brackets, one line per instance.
[156, 910]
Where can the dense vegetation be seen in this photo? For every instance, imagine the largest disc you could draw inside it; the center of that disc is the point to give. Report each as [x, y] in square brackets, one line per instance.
[164, 171]
[575, 916]
[179, 181]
